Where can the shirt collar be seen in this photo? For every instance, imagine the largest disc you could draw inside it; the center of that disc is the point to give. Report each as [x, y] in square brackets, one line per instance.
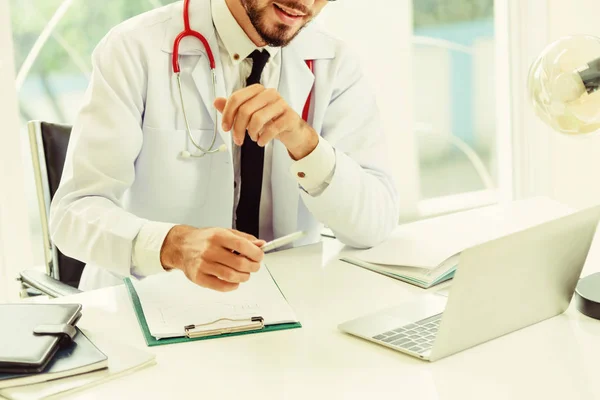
[238, 44]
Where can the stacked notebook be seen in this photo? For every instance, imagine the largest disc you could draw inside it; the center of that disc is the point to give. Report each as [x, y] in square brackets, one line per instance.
[76, 358]
[122, 360]
[426, 253]
[43, 354]
[31, 334]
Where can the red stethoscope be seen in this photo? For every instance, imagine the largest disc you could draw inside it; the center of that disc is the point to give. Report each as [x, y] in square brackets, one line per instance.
[187, 31]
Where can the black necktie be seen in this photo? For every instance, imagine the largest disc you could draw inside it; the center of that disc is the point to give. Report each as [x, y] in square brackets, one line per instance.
[252, 160]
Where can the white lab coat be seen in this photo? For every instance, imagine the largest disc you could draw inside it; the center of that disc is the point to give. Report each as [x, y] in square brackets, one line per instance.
[123, 170]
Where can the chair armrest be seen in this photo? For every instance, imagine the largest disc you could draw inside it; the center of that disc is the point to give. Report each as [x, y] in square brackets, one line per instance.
[45, 284]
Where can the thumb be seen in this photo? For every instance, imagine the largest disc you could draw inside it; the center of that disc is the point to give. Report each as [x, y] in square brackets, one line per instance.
[220, 103]
[259, 242]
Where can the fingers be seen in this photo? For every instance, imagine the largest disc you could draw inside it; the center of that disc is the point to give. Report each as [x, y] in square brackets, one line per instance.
[225, 273]
[243, 234]
[206, 257]
[235, 101]
[220, 103]
[259, 242]
[260, 112]
[214, 283]
[233, 242]
[274, 128]
[247, 111]
[262, 118]
[254, 240]
[236, 262]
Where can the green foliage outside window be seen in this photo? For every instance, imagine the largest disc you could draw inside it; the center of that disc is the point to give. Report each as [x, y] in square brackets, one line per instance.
[442, 12]
[81, 28]
[67, 51]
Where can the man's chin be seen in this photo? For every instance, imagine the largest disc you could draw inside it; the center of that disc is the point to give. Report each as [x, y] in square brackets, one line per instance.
[279, 37]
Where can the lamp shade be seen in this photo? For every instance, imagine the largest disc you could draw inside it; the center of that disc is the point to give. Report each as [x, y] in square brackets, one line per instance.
[563, 85]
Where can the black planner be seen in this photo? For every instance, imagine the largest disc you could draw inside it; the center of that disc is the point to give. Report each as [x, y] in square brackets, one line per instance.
[31, 334]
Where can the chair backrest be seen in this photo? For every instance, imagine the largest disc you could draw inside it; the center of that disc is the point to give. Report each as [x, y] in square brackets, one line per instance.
[49, 143]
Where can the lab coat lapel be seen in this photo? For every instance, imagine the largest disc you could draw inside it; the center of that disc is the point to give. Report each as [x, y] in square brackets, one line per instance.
[296, 79]
[295, 84]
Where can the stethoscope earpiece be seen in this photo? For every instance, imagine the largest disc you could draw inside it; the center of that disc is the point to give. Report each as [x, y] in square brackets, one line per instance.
[185, 154]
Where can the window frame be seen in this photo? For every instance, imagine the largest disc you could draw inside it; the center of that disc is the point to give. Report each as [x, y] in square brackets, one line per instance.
[506, 145]
[532, 140]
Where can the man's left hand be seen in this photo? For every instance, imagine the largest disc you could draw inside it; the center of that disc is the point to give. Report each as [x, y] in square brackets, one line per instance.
[266, 116]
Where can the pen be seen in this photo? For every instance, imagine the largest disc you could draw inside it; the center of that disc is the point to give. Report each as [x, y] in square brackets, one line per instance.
[282, 241]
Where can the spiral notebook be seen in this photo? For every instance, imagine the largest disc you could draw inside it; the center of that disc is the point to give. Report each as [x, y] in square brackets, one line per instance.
[172, 309]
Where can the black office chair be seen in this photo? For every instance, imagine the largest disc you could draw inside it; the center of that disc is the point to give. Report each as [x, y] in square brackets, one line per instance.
[49, 144]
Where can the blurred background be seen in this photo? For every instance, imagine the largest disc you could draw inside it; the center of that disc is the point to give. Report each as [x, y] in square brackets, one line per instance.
[454, 95]
[441, 111]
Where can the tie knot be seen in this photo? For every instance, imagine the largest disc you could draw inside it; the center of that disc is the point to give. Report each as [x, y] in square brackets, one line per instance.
[259, 57]
[259, 60]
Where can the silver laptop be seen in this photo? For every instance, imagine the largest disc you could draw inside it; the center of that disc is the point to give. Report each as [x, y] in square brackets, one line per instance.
[499, 287]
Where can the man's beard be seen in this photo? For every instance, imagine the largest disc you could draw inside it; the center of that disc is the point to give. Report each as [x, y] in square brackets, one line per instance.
[275, 37]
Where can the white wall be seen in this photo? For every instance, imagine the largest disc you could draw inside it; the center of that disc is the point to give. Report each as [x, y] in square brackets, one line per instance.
[15, 247]
[383, 42]
[575, 161]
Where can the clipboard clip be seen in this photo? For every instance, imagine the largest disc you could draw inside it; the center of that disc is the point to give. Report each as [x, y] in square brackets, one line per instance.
[238, 325]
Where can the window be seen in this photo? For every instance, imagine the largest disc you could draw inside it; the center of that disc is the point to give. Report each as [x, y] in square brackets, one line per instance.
[454, 100]
[433, 66]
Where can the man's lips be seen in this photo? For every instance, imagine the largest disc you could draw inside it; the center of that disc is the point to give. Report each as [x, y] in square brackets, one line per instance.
[292, 12]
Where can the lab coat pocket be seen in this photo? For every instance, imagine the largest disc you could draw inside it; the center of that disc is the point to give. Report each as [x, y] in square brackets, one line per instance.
[171, 181]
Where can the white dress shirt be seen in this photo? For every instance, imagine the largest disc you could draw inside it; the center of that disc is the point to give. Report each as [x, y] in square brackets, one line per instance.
[312, 172]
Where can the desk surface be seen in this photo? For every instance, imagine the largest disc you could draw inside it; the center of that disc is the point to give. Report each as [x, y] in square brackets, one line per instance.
[556, 359]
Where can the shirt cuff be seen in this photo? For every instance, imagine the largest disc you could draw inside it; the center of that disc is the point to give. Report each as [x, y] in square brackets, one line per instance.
[146, 248]
[314, 172]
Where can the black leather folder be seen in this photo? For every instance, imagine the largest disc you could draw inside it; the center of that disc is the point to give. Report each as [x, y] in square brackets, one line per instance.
[30, 334]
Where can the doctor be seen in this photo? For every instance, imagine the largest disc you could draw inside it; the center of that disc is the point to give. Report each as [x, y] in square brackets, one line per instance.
[138, 195]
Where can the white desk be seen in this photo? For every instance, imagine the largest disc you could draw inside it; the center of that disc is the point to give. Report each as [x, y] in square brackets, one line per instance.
[556, 359]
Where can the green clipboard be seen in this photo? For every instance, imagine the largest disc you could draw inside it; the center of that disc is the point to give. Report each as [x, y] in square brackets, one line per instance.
[152, 341]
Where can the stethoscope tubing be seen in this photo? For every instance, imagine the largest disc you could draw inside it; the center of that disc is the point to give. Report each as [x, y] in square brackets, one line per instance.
[187, 31]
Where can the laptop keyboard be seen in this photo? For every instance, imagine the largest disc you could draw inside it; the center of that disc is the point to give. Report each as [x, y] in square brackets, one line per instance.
[417, 337]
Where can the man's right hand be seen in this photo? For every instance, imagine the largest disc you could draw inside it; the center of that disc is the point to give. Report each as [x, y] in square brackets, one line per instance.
[207, 257]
